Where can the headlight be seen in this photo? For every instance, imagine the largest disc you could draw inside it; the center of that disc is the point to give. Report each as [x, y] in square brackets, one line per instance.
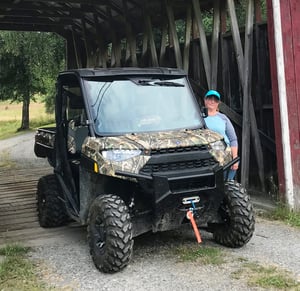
[120, 155]
[219, 145]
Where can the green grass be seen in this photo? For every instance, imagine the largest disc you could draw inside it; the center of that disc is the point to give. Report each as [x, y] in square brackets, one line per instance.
[283, 213]
[10, 118]
[16, 271]
[10, 128]
[203, 255]
[269, 278]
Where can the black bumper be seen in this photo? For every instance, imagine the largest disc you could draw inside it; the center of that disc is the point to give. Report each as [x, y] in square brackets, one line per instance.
[165, 186]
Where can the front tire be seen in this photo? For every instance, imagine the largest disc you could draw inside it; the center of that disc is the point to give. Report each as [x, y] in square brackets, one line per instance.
[51, 209]
[238, 216]
[110, 233]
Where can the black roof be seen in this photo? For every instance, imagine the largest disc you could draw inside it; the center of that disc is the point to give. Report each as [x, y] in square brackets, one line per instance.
[124, 71]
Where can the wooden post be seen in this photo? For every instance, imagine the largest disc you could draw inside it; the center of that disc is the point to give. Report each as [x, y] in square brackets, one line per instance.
[70, 53]
[76, 50]
[151, 40]
[224, 53]
[246, 95]
[143, 60]
[101, 58]
[245, 72]
[86, 45]
[163, 45]
[203, 41]
[131, 41]
[187, 40]
[215, 46]
[173, 33]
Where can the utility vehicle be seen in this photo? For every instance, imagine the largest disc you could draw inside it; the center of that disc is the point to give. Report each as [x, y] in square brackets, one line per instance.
[131, 154]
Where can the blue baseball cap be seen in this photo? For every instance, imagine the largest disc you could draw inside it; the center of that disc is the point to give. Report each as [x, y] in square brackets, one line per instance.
[213, 93]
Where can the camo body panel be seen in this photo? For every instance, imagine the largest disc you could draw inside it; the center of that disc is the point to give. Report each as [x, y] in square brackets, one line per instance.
[223, 157]
[45, 138]
[146, 142]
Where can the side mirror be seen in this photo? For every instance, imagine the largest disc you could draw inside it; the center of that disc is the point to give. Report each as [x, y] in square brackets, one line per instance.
[204, 112]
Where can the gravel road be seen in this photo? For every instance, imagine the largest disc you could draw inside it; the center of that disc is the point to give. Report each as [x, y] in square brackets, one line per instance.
[19, 150]
[64, 261]
[66, 264]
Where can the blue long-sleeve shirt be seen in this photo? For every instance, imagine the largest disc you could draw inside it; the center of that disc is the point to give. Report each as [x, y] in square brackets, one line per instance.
[221, 124]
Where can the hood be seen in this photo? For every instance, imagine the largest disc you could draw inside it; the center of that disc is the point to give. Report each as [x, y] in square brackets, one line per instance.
[153, 140]
[144, 143]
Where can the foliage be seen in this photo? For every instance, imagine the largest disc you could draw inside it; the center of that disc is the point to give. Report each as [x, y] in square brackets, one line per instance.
[241, 7]
[283, 213]
[10, 118]
[204, 255]
[16, 271]
[267, 277]
[29, 63]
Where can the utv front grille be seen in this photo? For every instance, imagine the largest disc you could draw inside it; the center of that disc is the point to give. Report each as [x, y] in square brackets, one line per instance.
[178, 150]
[177, 166]
[178, 159]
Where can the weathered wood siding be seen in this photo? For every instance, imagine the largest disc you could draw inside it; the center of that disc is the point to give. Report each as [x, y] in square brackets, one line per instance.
[289, 184]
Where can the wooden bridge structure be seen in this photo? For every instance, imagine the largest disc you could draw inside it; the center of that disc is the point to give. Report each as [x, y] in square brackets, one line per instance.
[251, 59]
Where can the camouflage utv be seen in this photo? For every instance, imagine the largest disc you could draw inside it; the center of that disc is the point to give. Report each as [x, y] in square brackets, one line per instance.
[131, 154]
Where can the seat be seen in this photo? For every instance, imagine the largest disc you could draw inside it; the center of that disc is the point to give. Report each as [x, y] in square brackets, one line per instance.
[76, 137]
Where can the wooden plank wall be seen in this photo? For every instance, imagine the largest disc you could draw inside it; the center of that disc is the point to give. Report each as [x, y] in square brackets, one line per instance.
[290, 26]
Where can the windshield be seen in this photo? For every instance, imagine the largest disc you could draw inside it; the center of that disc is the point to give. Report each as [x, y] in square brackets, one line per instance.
[142, 105]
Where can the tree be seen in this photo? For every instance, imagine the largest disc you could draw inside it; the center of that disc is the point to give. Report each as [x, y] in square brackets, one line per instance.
[29, 63]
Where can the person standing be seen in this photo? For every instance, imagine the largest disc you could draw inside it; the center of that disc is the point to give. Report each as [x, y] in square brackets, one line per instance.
[220, 123]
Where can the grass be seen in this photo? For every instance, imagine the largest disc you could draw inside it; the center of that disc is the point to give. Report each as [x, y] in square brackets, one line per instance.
[283, 213]
[16, 271]
[11, 113]
[270, 278]
[203, 255]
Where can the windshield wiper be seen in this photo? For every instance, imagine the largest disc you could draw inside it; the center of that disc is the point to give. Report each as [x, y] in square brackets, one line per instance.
[142, 82]
[149, 82]
[168, 83]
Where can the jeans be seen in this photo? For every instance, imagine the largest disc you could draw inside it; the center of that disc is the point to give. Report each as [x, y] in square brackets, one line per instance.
[229, 175]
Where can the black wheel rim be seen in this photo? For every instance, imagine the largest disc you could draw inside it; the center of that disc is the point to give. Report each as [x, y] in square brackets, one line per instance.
[99, 233]
[225, 213]
[42, 202]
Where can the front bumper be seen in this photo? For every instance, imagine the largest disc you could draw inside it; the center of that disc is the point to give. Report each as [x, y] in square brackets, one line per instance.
[169, 186]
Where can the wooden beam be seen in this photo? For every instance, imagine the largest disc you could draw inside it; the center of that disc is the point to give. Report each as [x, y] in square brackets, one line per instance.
[225, 71]
[151, 40]
[236, 39]
[246, 95]
[116, 43]
[76, 50]
[70, 53]
[245, 72]
[131, 41]
[173, 32]
[163, 43]
[132, 45]
[101, 52]
[87, 45]
[187, 40]
[203, 41]
[143, 62]
[116, 50]
[215, 46]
